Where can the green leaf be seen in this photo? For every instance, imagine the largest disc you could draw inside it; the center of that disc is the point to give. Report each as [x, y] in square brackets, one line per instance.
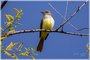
[14, 56]
[11, 28]
[20, 46]
[15, 44]
[9, 23]
[11, 46]
[10, 18]
[25, 53]
[88, 47]
[27, 49]
[33, 49]
[9, 54]
[18, 13]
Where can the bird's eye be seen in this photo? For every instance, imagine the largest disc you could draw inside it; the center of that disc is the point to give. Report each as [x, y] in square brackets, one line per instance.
[46, 12]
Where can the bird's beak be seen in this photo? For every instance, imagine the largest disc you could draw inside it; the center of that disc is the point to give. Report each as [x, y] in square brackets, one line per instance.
[42, 12]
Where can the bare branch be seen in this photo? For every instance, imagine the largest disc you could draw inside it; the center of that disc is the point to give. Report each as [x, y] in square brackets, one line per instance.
[66, 10]
[56, 10]
[64, 17]
[38, 30]
[66, 14]
[82, 29]
[79, 8]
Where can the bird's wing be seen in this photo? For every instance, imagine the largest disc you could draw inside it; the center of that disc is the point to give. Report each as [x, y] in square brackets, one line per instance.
[41, 28]
[46, 36]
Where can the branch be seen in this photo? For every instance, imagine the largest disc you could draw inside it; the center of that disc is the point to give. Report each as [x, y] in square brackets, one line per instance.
[3, 4]
[66, 10]
[64, 17]
[38, 30]
[82, 29]
[79, 8]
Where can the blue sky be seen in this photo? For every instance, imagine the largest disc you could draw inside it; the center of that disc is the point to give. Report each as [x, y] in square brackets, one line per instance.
[57, 45]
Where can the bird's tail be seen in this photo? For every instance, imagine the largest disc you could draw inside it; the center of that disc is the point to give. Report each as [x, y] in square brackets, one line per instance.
[40, 45]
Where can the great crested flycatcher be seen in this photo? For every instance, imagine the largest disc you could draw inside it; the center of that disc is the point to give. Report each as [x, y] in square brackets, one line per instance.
[46, 23]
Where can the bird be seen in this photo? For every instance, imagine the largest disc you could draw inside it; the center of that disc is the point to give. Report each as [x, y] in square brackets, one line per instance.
[47, 23]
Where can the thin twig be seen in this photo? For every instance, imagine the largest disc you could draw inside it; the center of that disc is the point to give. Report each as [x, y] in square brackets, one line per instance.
[56, 10]
[64, 17]
[66, 10]
[82, 29]
[65, 13]
[38, 30]
[79, 8]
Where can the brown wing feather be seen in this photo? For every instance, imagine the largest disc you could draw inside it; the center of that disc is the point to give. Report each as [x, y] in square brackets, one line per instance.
[46, 36]
[41, 26]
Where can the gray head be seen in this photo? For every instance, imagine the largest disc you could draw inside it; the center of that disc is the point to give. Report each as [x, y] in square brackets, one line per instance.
[46, 12]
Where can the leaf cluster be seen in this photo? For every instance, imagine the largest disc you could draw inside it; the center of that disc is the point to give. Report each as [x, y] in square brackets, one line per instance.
[15, 49]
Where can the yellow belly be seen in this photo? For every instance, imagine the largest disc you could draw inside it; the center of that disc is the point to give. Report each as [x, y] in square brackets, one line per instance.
[48, 24]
